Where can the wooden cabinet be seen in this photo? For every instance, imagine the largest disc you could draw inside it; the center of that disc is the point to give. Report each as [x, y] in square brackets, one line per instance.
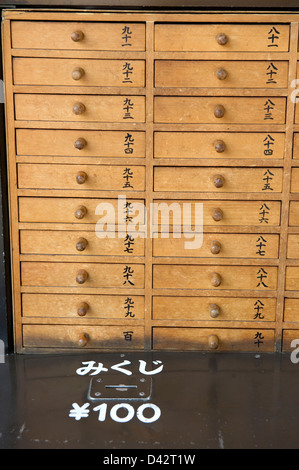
[153, 179]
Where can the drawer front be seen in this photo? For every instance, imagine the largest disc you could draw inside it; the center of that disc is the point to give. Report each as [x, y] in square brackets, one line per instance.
[87, 337]
[60, 242]
[213, 339]
[80, 306]
[214, 277]
[219, 110]
[291, 310]
[293, 246]
[80, 108]
[66, 35]
[221, 37]
[68, 143]
[221, 179]
[294, 180]
[214, 308]
[77, 210]
[218, 145]
[294, 213]
[220, 245]
[287, 337]
[82, 275]
[79, 72]
[216, 213]
[292, 277]
[81, 177]
[221, 74]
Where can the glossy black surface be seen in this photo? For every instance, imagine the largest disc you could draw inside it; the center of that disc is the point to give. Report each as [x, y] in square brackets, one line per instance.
[207, 401]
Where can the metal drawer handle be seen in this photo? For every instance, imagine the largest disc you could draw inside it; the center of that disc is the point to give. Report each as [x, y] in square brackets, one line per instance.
[222, 39]
[221, 74]
[219, 111]
[215, 279]
[81, 244]
[80, 212]
[82, 309]
[80, 143]
[81, 177]
[215, 247]
[78, 108]
[219, 146]
[213, 341]
[83, 340]
[82, 276]
[217, 214]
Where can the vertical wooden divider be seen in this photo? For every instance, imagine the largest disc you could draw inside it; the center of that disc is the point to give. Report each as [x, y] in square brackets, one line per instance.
[286, 188]
[149, 181]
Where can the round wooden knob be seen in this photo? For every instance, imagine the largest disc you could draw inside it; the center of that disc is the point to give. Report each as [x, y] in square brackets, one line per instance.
[217, 214]
[82, 309]
[222, 39]
[81, 177]
[213, 341]
[77, 73]
[83, 340]
[81, 244]
[80, 143]
[81, 212]
[214, 310]
[77, 36]
[218, 181]
[215, 247]
[78, 108]
[219, 146]
[82, 276]
[221, 74]
[219, 111]
[215, 279]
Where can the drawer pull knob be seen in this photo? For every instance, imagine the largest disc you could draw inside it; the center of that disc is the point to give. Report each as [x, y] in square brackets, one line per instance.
[83, 340]
[216, 279]
[77, 36]
[81, 244]
[78, 108]
[219, 111]
[81, 177]
[222, 39]
[77, 73]
[82, 276]
[214, 310]
[82, 309]
[218, 181]
[80, 143]
[221, 74]
[219, 146]
[213, 341]
[215, 247]
[81, 212]
[217, 214]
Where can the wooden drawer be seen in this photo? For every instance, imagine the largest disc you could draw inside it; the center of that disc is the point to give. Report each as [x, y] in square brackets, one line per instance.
[214, 277]
[293, 246]
[83, 306]
[80, 108]
[82, 274]
[296, 146]
[61, 242]
[230, 110]
[221, 74]
[261, 180]
[81, 177]
[218, 145]
[292, 278]
[68, 143]
[220, 245]
[214, 308]
[233, 37]
[219, 213]
[291, 310]
[75, 210]
[287, 337]
[294, 180]
[78, 72]
[87, 337]
[96, 36]
[203, 339]
[294, 214]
